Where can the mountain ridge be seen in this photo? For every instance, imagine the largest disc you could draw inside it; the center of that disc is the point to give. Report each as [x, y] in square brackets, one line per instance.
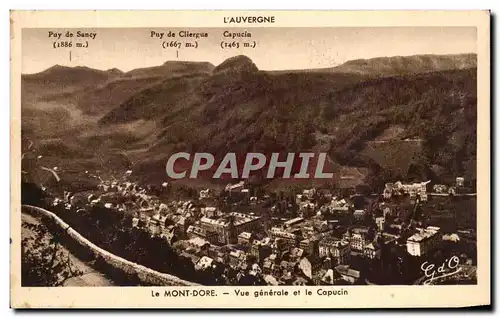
[237, 107]
[472, 57]
[356, 65]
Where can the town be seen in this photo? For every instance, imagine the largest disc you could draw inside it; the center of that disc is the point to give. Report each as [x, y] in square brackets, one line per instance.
[313, 236]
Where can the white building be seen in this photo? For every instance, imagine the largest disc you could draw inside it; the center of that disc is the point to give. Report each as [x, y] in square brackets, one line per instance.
[399, 188]
[205, 194]
[235, 187]
[309, 193]
[380, 221]
[423, 241]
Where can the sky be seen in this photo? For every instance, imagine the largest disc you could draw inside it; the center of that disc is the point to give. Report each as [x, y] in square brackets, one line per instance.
[276, 48]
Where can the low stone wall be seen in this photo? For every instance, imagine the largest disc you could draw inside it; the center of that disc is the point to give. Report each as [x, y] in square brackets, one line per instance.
[145, 275]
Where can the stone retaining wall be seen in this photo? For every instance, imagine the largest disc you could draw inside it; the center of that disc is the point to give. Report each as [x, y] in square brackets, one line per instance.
[146, 275]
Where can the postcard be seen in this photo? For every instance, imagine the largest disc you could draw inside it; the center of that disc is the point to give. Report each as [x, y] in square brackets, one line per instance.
[250, 159]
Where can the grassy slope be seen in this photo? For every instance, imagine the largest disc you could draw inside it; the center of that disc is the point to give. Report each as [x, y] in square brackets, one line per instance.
[250, 110]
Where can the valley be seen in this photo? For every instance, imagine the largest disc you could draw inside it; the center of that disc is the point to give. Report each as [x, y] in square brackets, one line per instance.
[81, 117]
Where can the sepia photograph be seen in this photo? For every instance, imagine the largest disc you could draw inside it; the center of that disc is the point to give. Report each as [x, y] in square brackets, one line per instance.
[326, 157]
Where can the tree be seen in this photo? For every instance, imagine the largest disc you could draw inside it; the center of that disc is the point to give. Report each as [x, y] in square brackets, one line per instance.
[44, 263]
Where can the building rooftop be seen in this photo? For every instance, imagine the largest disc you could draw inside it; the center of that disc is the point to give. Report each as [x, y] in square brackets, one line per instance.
[309, 191]
[329, 277]
[294, 221]
[219, 222]
[196, 230]
[270, 279]
[197, 241]
[335, 242]
[373, 246]
[346, 270]
[424, 234]
[359, 230]
[236, 253]
[238, 185]
[204, 262]
[296, 252]
[245, 235]
[282, 233]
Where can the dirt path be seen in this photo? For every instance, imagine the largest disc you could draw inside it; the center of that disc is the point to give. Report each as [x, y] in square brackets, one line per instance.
[90, 276]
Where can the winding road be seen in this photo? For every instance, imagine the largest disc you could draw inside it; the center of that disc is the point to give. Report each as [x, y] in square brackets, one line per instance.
[90, 276]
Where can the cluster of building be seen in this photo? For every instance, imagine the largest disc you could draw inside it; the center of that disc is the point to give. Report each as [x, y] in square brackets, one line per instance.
[414, 190]
[314, 246]
[122, 195]
[458, 188]
[301, 250]
[308, 250]
[308, 206]
[420, 190]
